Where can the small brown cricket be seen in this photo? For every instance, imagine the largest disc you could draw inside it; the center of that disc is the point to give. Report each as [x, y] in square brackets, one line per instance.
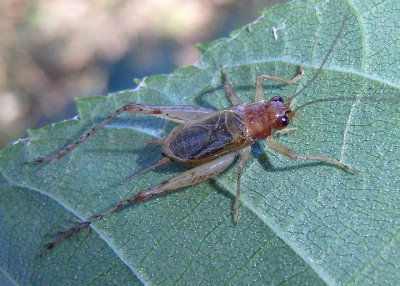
[209, 140]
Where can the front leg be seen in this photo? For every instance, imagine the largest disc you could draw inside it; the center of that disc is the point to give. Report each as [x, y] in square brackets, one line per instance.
[293, 155]
[259, 91]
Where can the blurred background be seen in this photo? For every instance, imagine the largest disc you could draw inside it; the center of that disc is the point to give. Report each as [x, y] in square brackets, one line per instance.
[52, 51]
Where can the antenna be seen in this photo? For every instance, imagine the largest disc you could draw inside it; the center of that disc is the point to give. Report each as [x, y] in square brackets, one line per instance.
[323, 100]
[288, 100]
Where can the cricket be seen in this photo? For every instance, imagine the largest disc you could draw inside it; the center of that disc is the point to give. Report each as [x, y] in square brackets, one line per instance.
[207, 141]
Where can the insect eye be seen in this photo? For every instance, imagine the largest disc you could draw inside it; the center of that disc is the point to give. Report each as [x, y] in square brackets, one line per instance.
[282, 121]
[277, 99]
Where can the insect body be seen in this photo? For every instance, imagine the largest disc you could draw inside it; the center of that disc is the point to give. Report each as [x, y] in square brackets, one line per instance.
[207, 141]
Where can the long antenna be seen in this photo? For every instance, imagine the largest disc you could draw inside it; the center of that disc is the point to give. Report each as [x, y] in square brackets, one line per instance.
[324, 100]
[288, 100]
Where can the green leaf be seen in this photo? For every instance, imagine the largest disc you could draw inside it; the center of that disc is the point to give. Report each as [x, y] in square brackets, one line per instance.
[299, 222]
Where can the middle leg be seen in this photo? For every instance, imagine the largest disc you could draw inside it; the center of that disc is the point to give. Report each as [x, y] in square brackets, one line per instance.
[242, 162]
[228, 89]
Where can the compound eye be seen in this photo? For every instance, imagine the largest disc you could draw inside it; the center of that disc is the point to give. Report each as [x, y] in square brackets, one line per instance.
[282, 121]
[277, 99]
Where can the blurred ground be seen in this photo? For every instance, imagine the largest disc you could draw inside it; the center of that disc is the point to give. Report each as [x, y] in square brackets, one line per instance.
[53, 51]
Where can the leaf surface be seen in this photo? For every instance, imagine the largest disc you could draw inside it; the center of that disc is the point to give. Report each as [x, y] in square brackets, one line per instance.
[299, 222]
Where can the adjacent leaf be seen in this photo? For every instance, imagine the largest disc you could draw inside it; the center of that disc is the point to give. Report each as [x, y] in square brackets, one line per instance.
[299, 222]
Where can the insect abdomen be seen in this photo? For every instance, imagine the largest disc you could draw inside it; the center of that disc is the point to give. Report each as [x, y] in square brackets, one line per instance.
[205, 139]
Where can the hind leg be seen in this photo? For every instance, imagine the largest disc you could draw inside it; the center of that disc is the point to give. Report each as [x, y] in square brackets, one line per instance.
[177, 113]
[190, 177]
